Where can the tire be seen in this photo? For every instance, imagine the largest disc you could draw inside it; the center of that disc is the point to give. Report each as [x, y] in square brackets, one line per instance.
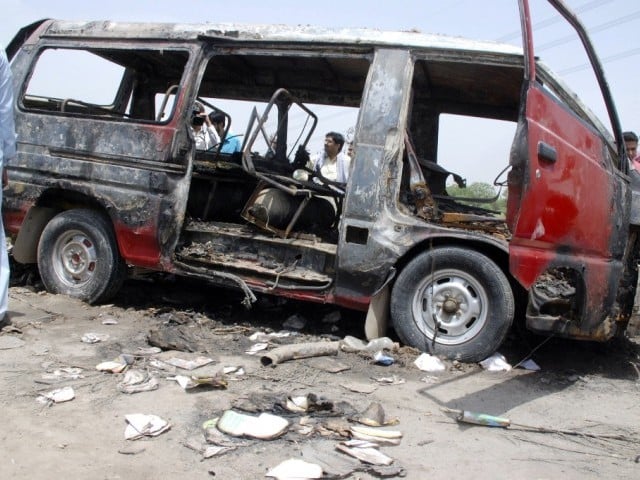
[479, 303]
[78, 256]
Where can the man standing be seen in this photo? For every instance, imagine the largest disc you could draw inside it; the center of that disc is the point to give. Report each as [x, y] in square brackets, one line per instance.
[230, 143]
[7, 151]
[631, 143]
[332, 164]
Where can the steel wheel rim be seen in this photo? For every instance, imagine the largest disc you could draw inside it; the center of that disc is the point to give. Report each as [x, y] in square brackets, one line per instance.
[75, 258]
[457, 300]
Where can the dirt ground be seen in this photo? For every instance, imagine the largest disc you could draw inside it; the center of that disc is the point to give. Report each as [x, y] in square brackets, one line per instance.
[589, 391]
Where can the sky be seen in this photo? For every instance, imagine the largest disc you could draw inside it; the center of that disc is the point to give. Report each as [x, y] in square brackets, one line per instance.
[614, 27]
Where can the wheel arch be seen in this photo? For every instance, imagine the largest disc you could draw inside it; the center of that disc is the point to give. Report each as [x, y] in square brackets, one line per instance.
[51, 202]
[491, 250]
[498, 255]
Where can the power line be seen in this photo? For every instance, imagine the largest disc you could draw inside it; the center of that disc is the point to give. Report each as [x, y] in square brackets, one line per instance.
[604, 26]
[611, 58]
[554, 19]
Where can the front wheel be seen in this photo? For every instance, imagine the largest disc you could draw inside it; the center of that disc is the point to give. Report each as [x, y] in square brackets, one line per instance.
[78, 256]
[457, 296]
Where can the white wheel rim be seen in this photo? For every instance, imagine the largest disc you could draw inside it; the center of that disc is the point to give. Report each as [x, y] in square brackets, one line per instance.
[453, 300]
[75, 258]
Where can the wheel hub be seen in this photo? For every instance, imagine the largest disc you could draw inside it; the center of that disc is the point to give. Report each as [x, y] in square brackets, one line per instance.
[76, 258]
[450, 306]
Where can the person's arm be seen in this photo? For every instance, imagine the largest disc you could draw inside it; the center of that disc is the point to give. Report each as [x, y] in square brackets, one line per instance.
[210, 133]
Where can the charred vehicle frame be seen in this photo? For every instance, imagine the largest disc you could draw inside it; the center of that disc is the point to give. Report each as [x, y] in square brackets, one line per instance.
[97, 188]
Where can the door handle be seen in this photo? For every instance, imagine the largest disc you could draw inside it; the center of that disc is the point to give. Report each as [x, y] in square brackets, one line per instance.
[547, 152]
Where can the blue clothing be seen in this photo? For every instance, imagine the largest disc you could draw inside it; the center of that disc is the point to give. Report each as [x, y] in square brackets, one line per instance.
[7, 151]
[7, 126]
[231, 144]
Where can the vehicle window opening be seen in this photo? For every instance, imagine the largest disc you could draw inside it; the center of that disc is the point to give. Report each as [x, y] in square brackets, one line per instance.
[450, 99]
[132, 85]
[282, 101]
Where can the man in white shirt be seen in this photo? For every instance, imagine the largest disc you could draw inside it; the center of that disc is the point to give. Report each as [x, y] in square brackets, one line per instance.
[203, 130]
[332, 164]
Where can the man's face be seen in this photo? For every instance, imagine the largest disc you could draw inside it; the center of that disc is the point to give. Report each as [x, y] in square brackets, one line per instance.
[331, 148]
[632, 148]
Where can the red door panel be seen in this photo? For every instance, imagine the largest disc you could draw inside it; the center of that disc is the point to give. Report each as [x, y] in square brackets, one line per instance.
[567, 203]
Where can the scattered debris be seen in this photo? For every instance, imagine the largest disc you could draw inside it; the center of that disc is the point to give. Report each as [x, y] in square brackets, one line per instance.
[364, 451]
[496, 363]
[64, 373]
[10, 328]
[353, 344]
[161, 366]
[184, 360]
[465, 416]
[92, 337]
[323, 453]
[257, 347]
[257, 402]
[131, 450]
[377, 435]
[146, 351]
[263, 337]
[307, 403]
[215, 437]
[207, 451]
[136, 381]
[430, 379]
[193, 381]
[374, 416]
[118, 365]
[58, 395]
[381, 358]
[237, 371]
[295, 468]
[265, 426]
[171, 337]
[529, 364]
[491, 421]
[429, 363]
[140, 425]
[392, 380]
[339, 426]
[299, 350]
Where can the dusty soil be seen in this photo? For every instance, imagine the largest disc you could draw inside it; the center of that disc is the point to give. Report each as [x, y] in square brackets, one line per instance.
[582, 388]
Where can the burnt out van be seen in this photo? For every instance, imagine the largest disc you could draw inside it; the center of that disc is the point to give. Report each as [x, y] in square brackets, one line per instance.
[110, 175]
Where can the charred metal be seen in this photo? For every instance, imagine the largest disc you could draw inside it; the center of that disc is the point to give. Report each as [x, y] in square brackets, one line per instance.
[259, 217]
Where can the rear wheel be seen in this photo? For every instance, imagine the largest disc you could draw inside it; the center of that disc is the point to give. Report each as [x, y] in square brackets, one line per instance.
[78, 256]
[458, 296]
